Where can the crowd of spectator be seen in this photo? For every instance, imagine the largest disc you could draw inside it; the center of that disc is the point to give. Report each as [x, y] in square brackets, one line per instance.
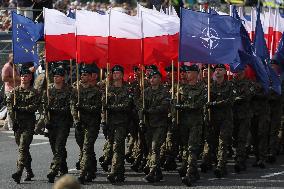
[63, 5]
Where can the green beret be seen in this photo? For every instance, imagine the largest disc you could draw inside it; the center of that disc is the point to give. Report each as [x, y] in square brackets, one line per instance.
[85, 69]
[25, 70]
[169, 69]
[193, 67]
[183, 68]
[117, 68]
[94, 68]
[58, 71]
[220, 66]
[155, 72]
[152, 67]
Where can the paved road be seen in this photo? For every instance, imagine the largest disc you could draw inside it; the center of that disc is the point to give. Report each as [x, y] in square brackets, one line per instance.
[271, 177]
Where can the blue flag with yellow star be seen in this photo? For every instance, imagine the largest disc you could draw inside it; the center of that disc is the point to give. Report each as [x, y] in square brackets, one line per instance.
[208, 38]
[25, 34]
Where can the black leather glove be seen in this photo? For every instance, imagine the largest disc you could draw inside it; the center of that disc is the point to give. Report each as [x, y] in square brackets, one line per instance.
[105, 129]
[178, 106]
[77, 107]
[15, 108]
[142, 127]
[211, 104]
[78, 126]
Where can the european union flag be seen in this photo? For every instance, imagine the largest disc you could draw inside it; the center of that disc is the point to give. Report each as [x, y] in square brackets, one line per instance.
[25, 34]
[208, 38]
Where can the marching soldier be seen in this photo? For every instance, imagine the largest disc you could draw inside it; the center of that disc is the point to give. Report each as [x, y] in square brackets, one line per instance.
[242, 117]
[191, 113]
[86, 117]
[22, 105]
[221, 121]
[116, 109]
[156, 114]
[58, 121]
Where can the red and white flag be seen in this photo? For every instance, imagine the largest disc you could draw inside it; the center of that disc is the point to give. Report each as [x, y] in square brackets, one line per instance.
[59, 31]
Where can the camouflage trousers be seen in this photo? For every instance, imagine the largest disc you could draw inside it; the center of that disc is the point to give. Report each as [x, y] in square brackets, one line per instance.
[117, 139]
[190, 135]
[155, 137]
[170, 146]
[88, 159]
[58, 138]
[23, 140]
[275, 125]
[218, 135]
[240, 135]
[259, 129]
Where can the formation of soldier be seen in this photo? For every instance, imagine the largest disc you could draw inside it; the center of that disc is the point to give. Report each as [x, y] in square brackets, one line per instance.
[164, 122]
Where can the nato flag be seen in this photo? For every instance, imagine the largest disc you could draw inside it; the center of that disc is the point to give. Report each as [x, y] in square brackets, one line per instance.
[24, 37]
[208, 38]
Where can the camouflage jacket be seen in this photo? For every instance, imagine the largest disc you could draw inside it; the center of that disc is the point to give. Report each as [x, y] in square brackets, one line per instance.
[259, 102]
[244, 92]
[192, 101]
[157, 104]
[27, 103]
[222, 94]
[57, 107]
[89, 105]
[118, 107]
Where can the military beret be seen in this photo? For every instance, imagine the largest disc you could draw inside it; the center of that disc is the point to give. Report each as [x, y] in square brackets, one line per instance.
[25, 70]
[220, 66]
[85, 69]
[152, 67]
[169, 69]
[135, 68]
[117, 68]
[58, 71]
[155, 72]
[183, 68]
[193, 67]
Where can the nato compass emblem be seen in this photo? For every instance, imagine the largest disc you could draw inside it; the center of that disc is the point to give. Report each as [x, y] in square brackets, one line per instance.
[210, 38]
[26, 36]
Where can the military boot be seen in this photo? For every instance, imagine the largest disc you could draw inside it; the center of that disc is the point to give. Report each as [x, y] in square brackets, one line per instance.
[158, 175]
[78, 165]
[51, 176]
[150, 178]
[102, 159]
[182, 169]
[30, 175]
[205, 167]
[136, 165]
[17, 176]
[187, 180]
[146, 170]
[63, 168]
[220, 172]
[170, 164]
[111, 178]
[119, 178]
[81, 179]
[129, 158]
[104, 165]
[271, 159]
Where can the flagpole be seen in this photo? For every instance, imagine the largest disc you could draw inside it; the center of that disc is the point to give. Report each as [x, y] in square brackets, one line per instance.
[251, 23]
[178, 83]
[77, 73]
[209, 83]
[142, 63]
[71, 77]
[173, 81]
[273, 33]
[14, 83]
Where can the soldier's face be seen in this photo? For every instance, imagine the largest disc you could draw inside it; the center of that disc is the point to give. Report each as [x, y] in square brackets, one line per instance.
[182, 75]
[192, 75]
[117, 75]
[94, 77]
[58, 79]
[26, 78]
[148, 71]
[220, 73]
[85, 77]
[155, 80]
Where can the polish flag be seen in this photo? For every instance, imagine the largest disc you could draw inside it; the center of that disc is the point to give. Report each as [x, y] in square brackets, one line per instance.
[269, 27]
[278, 30]
[59, 31]
[92, 37]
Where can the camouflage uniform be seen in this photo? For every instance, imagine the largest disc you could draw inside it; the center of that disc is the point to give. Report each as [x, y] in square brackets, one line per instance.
[89, 107]
[191, 105]
[23, 116]
[118, 109]
[275, 123]
[242, 116]
[156, 115]
[221, 125]
[260, 123]
[58, 123]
